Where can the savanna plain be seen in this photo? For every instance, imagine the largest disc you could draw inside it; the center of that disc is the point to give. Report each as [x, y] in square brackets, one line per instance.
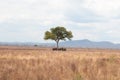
[35, 63]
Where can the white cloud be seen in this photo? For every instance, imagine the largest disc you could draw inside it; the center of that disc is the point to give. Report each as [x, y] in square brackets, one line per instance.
[27, 20]
[106, 8]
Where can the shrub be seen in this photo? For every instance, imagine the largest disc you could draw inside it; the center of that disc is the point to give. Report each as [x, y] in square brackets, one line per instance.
[59, 49]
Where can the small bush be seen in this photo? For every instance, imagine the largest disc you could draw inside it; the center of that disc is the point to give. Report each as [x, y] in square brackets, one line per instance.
[59, 49]
[35, 45]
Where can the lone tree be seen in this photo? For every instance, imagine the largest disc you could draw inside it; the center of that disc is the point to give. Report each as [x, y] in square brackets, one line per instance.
[58, 33]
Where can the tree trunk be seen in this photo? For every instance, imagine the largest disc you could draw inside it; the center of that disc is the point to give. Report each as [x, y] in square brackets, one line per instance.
[57, 44]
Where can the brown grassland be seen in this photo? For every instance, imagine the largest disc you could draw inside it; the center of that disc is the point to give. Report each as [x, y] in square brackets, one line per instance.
[22, 63]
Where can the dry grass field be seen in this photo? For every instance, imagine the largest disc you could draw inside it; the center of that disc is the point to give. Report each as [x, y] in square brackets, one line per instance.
[21, 63]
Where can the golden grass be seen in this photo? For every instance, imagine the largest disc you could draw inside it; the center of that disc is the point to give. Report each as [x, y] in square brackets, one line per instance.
[45, 64]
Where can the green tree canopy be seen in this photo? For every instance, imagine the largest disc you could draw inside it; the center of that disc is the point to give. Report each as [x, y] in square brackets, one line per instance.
[58, 33]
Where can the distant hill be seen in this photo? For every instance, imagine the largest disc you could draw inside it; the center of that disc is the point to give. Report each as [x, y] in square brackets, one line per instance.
[17, 44]
[90, 44]
[27, 44]
[74, 44]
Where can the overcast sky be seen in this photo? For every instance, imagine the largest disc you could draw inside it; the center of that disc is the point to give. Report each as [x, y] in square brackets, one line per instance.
[27, 20]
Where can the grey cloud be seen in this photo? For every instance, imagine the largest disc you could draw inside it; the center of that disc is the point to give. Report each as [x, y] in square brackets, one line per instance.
[77, 12]
[29, 19]
[83, 16]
